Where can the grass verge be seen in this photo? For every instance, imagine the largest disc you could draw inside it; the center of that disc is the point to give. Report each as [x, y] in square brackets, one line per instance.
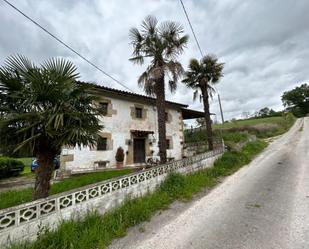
[96, 231]
[16, 197]
[238, 130]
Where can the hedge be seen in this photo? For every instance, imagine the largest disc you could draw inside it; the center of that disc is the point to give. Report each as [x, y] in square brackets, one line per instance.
[10, 167]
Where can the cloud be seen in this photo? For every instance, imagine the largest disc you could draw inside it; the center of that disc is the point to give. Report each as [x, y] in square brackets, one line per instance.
[263, 43]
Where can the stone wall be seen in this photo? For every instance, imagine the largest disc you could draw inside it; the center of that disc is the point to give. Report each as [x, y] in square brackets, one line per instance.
[25, 221]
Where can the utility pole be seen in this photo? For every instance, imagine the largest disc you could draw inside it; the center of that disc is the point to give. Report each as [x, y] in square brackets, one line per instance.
[222, 118]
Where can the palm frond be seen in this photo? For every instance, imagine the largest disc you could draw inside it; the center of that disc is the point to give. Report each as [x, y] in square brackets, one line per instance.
[135, 36]
[161, 44]
[194, 65]
[172, 85]
[61, 69]
[19, 63]
[175, 69]
[149, 25]
[148, 83]
[45, 103]
[137, 59]
[195, 94]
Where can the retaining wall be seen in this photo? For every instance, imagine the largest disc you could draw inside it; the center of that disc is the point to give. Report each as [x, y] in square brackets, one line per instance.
[25, 221]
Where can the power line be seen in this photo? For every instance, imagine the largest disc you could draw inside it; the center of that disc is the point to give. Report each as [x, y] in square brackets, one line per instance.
[202, 54]
[191, 27]
[67, 46]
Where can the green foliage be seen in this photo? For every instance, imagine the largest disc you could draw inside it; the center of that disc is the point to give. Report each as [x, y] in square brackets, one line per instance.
[297, 100]
[162, 44]
[96, 231]
[17, 197]
[119, 155]
[232, 161]
[199, 135]
[202, 75]
[10, 167]
[195, 135]
[261, 127]
[266, 112]
[44, 103]
[235, 137]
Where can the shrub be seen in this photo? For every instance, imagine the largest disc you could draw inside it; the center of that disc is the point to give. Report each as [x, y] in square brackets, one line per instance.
[119, 155]
[10, 167]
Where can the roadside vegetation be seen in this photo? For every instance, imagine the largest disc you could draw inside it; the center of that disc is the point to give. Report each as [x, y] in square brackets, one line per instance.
[236, 131]
[17, 197]
[96, 231]
[10, 167]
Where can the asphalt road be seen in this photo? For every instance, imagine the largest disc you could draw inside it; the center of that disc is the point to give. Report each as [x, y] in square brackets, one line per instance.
[264, 205]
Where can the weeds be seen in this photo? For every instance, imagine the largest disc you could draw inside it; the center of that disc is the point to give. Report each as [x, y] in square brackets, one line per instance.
[96, 231]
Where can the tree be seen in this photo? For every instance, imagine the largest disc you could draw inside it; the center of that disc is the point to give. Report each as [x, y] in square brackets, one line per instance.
[264, 112]
[201, 76]
[161, 44]
[43, 109]
[297, 100]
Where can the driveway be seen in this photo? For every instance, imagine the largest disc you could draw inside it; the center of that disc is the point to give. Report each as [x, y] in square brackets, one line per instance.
[264, 205]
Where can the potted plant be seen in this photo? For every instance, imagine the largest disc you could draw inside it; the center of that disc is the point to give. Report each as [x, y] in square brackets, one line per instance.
[119, 157]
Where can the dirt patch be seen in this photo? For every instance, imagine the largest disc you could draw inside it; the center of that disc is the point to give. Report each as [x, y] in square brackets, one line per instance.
[16, 183]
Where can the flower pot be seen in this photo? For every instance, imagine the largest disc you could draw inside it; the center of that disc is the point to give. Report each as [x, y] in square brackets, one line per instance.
[119, 165]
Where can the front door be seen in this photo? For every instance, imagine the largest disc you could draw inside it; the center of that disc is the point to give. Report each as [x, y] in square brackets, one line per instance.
[139, 150]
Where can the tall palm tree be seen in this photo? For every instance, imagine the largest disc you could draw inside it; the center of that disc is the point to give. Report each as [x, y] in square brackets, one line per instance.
[42, 108]
[201, 76]
[161, 44]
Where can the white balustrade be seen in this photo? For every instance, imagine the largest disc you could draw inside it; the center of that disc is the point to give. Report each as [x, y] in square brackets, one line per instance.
[28, 212]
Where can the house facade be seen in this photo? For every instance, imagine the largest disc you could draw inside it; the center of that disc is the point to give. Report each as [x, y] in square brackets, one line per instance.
[130, 122]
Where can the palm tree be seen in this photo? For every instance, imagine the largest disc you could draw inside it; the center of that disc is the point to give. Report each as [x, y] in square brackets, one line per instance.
[201, 76]
[161, 44]
[42, 108]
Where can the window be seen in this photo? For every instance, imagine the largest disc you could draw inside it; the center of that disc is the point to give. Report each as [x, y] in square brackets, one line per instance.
[102, 164]
[168, 144]
[104, 108]
[138, 112]
[102, 143]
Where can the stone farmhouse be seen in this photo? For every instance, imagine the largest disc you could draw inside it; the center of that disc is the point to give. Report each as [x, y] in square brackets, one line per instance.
[130, 121]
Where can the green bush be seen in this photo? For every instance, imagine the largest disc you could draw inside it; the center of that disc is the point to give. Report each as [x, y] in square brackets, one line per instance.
[10, 167]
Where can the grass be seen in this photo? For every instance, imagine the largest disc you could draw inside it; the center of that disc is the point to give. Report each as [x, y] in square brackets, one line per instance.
[16, 197]
[238, 130]
[27, 170]
[96, 231]
[228, 136]
[255, 121]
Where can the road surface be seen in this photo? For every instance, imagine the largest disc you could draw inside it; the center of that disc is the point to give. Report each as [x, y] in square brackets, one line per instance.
[265, 205]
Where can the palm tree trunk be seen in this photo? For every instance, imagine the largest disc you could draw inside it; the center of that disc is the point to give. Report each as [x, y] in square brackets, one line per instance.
[45, 155]
[207, 119]
[160, 102]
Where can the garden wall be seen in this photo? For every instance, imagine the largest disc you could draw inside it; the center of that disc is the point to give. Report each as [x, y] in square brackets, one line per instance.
[27, 220]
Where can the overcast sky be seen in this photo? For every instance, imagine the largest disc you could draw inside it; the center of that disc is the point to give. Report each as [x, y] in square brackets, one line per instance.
[264, 43]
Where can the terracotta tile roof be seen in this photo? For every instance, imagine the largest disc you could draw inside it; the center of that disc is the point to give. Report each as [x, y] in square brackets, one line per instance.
[187, 113]
[128, 94]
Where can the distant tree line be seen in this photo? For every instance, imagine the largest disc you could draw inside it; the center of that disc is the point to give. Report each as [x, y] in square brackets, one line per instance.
[297, 100]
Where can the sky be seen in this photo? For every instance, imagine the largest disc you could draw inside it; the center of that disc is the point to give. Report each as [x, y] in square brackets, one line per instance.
[264, 44]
